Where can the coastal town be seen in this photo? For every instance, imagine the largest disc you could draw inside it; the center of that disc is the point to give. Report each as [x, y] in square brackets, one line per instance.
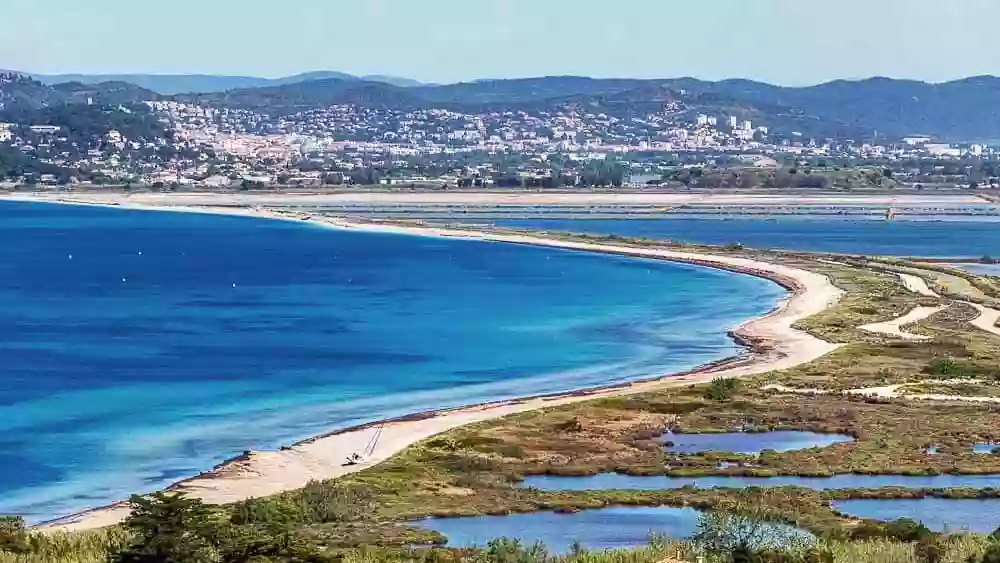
[185, 145]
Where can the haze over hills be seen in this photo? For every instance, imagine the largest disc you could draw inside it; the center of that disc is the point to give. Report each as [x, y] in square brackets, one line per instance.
[962, 110]
[168, 84]
[21, 93]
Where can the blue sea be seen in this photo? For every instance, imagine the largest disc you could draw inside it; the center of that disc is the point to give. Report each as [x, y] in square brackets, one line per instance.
[139, 348]
[968, 238]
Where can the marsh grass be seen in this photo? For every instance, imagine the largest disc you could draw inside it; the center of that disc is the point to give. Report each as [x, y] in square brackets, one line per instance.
[79, 547]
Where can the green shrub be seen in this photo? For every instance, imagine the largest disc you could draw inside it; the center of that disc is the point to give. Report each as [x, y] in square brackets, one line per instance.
[13, 535]
[723, 389]
[904, 529]
[949, 368]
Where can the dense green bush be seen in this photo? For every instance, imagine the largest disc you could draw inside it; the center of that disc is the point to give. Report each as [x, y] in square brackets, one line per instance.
[904, 529]
[723, 389]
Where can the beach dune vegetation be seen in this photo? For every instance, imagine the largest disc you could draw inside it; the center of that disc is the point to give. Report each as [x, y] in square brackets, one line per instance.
[723, 389]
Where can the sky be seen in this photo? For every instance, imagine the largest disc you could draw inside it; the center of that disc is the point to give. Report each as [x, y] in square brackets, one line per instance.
[789, 42]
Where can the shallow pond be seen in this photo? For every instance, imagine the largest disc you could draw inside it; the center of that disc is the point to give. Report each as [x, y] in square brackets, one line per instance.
[605, 528]
[614, 481]
[976, 515]
[984, 448]
[751, 442]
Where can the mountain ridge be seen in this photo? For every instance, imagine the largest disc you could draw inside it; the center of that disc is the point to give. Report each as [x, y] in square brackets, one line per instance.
[172, 84]
[861, 109]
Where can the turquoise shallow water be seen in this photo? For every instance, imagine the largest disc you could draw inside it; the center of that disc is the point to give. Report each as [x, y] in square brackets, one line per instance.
[142, 347]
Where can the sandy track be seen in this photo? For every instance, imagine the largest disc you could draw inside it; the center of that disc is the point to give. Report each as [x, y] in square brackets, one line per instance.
[894, 327]
[893, 392]
[777, 345]
[917, 285]
[987, 319]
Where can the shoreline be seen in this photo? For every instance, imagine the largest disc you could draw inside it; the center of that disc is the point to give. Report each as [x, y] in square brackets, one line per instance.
[772, 344]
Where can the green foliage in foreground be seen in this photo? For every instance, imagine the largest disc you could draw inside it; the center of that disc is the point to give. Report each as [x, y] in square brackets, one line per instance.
[166, 528]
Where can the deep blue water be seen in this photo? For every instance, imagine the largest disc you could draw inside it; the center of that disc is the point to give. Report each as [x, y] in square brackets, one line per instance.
[752, 442]
[615, 527]
[806, 233]
[974, 515]
[614, 481]
[143, 347]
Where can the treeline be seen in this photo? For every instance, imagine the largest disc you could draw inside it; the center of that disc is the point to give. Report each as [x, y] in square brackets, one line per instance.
[81, 124]
[781, 178]
[16, 164]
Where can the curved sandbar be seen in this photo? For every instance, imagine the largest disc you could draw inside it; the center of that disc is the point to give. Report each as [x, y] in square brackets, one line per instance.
[774, 345]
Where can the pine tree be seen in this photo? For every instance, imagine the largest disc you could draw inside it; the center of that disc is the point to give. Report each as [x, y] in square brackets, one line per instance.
[169, 528]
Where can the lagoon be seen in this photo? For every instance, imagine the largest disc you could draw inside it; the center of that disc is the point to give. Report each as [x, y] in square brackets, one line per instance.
[614, 527]
[750, 443]
[966, 239]
[975, 515]
[614, 481]
[606, 528]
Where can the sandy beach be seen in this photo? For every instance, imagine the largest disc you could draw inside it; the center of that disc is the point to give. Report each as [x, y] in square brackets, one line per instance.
[774, 345]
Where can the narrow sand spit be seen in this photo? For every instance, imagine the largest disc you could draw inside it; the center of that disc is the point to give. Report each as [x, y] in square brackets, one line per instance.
[775, 346]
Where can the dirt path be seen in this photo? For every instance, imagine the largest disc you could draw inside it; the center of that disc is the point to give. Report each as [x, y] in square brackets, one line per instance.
[916, 284]
[987, 319]
[894, 327]
[893, 392]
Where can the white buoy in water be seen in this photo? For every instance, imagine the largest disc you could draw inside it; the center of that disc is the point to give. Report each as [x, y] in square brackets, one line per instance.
[70, 256]
[123, 280]
[234, 285]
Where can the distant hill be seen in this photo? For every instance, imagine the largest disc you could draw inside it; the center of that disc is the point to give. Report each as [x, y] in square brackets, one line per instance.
[312, 94]
[22, 93]
[961, 110]
[619, 97]
[169, 84]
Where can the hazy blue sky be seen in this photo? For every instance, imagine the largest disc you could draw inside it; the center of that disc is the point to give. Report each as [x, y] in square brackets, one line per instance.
[782, 41]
